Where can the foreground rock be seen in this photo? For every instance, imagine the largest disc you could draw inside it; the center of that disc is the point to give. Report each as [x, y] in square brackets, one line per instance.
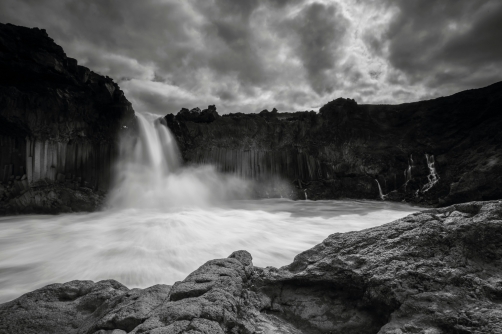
[436, 271]
[437, 152]
[59, 125]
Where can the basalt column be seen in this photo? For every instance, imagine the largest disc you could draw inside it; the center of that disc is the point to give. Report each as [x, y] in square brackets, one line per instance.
[60, 126]
[436, 152]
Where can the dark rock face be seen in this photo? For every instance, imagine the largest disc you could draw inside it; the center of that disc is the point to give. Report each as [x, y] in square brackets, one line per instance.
[210, 300]
[58, 124]
[436, 271]
[436, 152]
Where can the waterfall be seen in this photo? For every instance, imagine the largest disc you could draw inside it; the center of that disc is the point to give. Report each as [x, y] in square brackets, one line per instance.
[149, 174]
[382, 196]
[433, 177]
[407, 172]
[305, 191]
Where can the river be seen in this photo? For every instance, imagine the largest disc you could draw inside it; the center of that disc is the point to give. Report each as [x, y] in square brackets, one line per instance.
[162, 221]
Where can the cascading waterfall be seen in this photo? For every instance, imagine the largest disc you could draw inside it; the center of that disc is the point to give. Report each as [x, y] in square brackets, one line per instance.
[407, 172]
[382, 196]
[433, 177]
[149, 174]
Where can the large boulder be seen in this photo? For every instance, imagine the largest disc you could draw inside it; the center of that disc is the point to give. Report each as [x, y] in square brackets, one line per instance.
[435, 271]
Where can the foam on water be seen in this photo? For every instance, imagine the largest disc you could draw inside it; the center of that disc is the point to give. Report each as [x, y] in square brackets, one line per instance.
[140, 247]
[149, 175]
[162, 222]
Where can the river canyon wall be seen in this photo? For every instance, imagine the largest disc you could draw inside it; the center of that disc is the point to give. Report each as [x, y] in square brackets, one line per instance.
[436, 152]
[59, 124]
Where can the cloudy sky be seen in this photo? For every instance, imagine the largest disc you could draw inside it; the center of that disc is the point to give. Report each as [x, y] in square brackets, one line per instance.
[248, 55]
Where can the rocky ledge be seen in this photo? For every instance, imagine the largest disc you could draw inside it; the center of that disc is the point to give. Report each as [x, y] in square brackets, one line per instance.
[435, 271]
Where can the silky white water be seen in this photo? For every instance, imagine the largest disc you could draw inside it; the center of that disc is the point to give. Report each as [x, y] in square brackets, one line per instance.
[163, 221]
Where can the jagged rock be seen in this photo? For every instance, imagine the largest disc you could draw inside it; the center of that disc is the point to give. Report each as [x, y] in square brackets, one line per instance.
[196, 115]
[57, 308]
[56, 117]
[210, 300]
[342, 150]
[435, 271]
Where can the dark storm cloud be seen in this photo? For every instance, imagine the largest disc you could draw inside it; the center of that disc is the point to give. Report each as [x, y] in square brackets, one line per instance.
[137, 29]
[292, 54]
[283, 3]
[231, 41]
[446, 42]
[320, 30]
[226, 95]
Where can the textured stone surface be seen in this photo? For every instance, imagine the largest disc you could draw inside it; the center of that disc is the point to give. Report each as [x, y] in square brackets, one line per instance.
[59, 123]
[57, 308]
[346, 147]
[213, 299]
[436, 271]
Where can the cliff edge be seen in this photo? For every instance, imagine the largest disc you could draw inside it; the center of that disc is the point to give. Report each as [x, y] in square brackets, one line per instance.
[434, 153]
[59, 124]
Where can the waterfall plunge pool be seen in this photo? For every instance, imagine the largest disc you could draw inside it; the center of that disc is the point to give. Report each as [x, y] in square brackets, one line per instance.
[143, 247]
[162, 221]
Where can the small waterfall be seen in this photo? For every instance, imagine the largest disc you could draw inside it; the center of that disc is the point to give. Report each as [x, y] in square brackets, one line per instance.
[305, 191]
[382, 196]
[433, 177]
[407, 172]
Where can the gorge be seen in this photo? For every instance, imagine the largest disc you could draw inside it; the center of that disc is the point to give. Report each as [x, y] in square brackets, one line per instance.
[61, 123]
[71, 142]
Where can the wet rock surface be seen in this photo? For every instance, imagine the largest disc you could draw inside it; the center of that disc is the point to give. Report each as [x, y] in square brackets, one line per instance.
[350, 150]
[59, 124]
[435, 271]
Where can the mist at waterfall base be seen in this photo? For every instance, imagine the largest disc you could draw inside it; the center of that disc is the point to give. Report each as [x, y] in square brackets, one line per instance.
[162, 221]
[149, 175]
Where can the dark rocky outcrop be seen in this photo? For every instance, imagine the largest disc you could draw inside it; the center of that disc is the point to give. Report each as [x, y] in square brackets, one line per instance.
[436, 271]
[343, 150]
[59, 123]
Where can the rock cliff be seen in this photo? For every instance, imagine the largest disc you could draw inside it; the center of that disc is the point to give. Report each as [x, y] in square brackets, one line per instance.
[59, 123]
[436, 271]
[437, 152]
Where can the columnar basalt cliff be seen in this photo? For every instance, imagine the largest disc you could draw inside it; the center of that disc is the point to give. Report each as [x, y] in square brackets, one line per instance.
[437, 271]
[59, 124]
[436, 152]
